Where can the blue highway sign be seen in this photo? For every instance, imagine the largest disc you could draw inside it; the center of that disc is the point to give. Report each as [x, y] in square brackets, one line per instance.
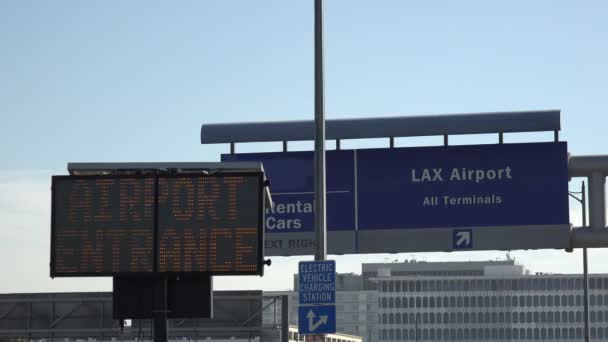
[512, 196]
[317, 319]
[317, 282]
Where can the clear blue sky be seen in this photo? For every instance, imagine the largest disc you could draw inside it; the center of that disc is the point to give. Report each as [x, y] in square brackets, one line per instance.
[134, 80]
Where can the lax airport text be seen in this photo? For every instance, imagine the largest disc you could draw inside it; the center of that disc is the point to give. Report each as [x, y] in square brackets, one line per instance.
[460, 175]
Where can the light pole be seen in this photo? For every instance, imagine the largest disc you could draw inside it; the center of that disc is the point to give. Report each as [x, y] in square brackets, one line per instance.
[320, 231]
[583, 202]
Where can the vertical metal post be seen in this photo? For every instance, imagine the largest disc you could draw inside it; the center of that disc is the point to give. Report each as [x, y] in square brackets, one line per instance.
[585, 268]
[284, 318]
[320, 232]
[160, 311]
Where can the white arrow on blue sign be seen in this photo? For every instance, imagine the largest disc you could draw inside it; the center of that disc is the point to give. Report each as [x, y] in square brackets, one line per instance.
[317, 319]
[462, 239]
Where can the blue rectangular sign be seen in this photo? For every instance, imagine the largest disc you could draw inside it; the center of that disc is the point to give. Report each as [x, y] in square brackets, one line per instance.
[463, 186]
[317, 282]
[317, 319]
[412, 199]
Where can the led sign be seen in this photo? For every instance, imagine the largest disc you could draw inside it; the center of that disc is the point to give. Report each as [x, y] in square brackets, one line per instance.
[191, 223]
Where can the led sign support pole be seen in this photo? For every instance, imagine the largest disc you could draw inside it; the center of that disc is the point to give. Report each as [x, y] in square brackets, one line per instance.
[160, 311]
[320, 229]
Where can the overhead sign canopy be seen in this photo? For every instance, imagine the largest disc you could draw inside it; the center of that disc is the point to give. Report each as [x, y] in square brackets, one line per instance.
[121, 224]
[476, 197]
[384, 127]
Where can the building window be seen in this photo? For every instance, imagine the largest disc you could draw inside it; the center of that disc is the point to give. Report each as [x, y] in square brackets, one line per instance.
[398, 302]
[432, 302]
[411, 302]
[391, 302]
[384, 319]
[550, 300]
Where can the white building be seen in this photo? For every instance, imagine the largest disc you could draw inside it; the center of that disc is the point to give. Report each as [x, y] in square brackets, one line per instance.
[494, 301]
[466, 301]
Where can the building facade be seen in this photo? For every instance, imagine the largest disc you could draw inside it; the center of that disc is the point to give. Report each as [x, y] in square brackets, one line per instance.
[484, 302]
[466, 301]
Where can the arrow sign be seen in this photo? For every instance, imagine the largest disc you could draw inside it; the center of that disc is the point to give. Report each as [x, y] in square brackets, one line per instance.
[462, 239]
[326, 323]
[313, 326]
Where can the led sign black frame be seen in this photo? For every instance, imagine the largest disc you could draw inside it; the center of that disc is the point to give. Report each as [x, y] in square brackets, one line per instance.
[155, 249]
